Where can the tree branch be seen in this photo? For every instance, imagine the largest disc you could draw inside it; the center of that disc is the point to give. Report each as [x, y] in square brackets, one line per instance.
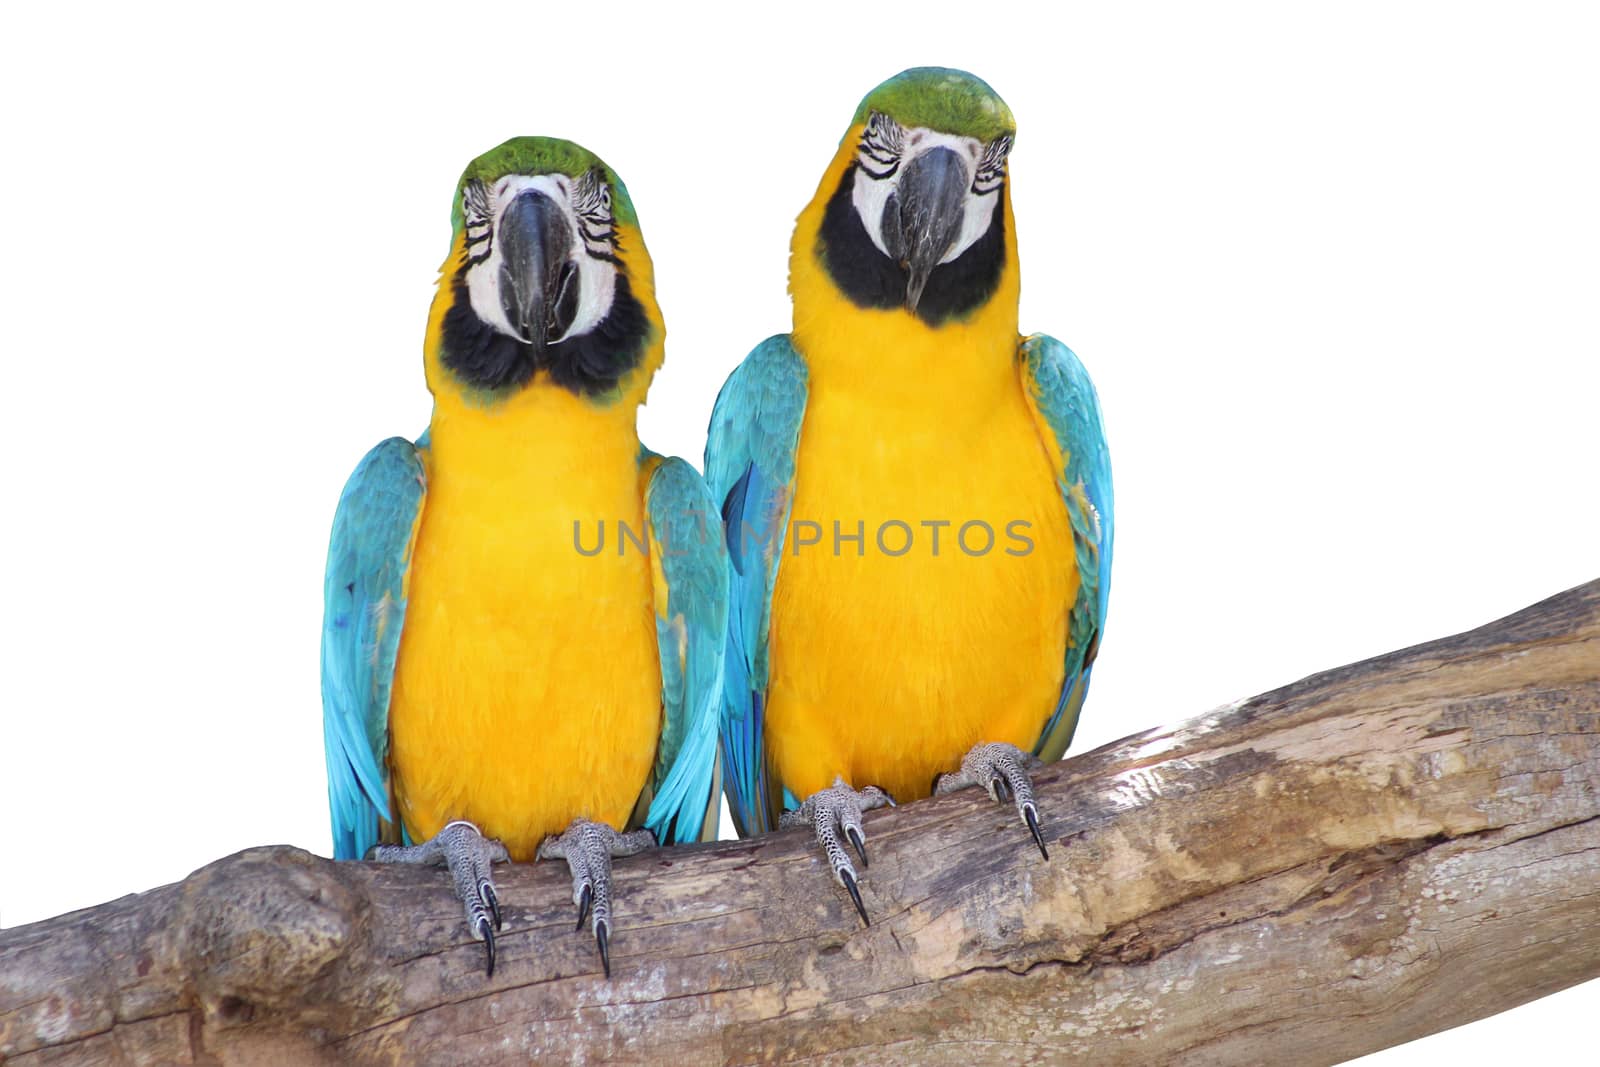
[1361, 858]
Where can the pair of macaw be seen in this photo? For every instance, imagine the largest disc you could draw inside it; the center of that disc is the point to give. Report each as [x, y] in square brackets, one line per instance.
[493, 689]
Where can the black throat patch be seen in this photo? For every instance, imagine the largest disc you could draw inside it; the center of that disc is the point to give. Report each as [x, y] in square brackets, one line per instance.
[590, 364]
[872, 280]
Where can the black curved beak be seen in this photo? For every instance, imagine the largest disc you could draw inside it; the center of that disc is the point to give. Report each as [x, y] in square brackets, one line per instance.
[538, 281]
[922, 217]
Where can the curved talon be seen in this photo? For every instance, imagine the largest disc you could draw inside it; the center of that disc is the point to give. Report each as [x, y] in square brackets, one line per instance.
[588, 847]
[861, 846]
[602, 936]
[855, 895]
[492, 899]
[1032, 819]
[584, 900]
[486, 933]
[1001, 768]
[469, 856]
[835, 817]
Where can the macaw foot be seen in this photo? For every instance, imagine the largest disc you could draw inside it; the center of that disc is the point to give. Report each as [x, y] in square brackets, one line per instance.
[588, 848]
[1002, 769]
[833, 812]
[461, 847]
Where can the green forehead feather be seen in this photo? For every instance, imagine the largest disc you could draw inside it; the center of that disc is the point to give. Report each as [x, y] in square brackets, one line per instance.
[543, 155]
[938, 98]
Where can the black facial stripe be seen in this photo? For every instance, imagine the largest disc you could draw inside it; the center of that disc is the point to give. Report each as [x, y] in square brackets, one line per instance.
[475, 203]
[880, 175]
[591, 201]
[479, 232]
[872, 280]
[482, 357]
[591, 196]
[882, 131]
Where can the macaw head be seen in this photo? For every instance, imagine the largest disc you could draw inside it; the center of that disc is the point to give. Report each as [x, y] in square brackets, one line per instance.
[911, 215]
[547, 279]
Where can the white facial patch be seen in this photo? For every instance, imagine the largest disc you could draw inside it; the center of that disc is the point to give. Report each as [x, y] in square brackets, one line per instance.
[586, 204]
[884, 155]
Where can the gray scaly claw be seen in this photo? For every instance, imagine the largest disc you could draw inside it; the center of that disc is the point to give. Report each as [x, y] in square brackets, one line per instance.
[1001, 769]
[837, 811]
[588, 847]
[462, 848]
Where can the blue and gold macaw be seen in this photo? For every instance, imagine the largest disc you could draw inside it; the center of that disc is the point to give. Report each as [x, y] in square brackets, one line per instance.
[493, 671]
[917, 498]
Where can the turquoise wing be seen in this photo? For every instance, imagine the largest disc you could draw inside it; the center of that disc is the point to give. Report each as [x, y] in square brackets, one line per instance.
[363, 610]
[1061, 392]
[689, 561]
[750, 464]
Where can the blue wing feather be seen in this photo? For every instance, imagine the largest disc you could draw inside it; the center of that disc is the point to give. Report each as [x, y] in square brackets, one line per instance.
[691, 632]
[363, 612]
[1064, 395]
[750, 462]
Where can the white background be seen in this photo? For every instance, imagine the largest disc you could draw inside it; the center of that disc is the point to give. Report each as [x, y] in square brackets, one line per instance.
[1335, 274]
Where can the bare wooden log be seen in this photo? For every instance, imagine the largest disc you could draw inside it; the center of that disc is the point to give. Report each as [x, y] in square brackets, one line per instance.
[1361, 858]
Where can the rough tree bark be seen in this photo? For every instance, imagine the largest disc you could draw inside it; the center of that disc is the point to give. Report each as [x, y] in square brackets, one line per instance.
[1358, 859]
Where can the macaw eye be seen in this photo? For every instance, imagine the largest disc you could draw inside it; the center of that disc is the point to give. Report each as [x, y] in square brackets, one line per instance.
[476, 207]
[992, 166]
[881, 145]
[591, 200]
